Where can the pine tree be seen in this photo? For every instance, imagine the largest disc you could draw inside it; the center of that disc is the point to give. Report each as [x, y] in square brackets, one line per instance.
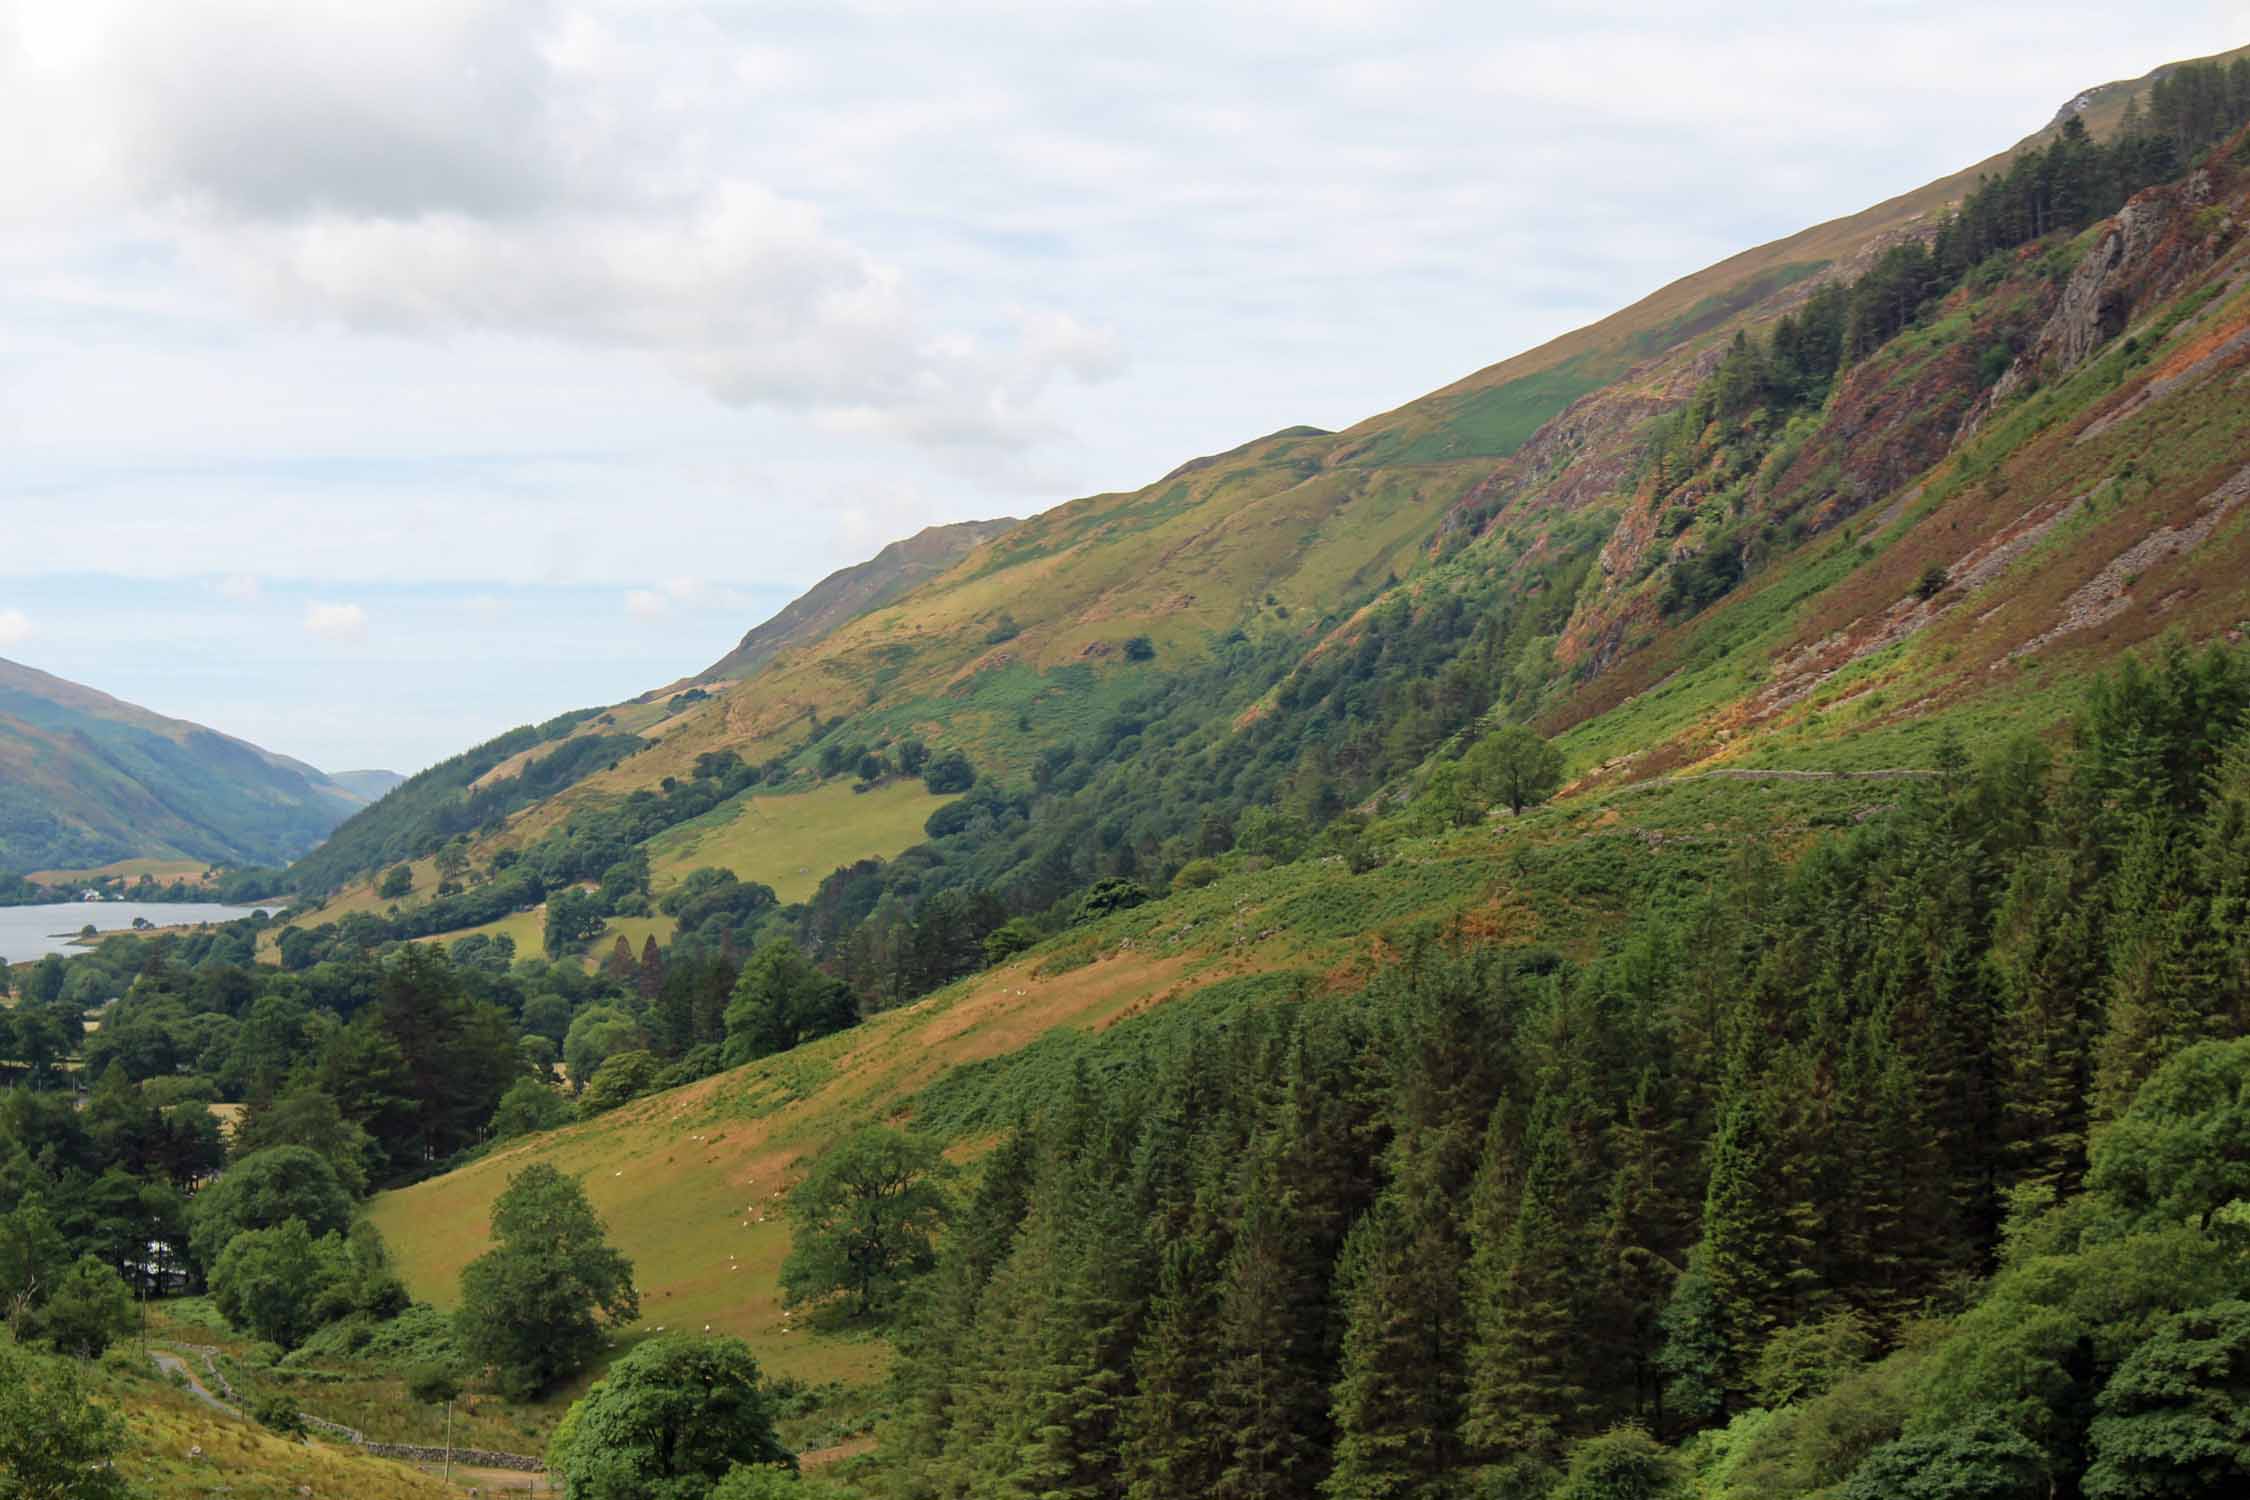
[1269, 1393]
[1171, 1440]
[1397, 1399]
[2046, 973]
[2162, 978]
[1646, 1226]
[931, 1381]
[1526, 1360]
[1740, 1253]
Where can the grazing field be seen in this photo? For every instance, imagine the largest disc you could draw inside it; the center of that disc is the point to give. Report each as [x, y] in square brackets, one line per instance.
[792, 842]
[691, 1181]
[162, 871]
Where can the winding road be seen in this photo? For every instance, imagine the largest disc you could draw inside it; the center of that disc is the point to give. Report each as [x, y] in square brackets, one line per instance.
[172, 1364]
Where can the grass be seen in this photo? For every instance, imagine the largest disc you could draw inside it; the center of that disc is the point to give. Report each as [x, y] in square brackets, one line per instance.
[177, 1447]
[162, 871]
[792, 842]
[690, 1181]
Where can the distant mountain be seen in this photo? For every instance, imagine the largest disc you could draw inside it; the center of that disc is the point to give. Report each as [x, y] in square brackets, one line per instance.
[851, 592]
[368, 786]
[86, 779]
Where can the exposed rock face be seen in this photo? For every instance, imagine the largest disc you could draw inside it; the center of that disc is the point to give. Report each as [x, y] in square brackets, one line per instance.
[2148, 251]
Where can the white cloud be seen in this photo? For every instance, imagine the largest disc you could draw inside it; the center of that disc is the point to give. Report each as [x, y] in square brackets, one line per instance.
[15, 627]
[511, 295]
[685, 594]
[336, 622]
[239, 587]
[460, 167]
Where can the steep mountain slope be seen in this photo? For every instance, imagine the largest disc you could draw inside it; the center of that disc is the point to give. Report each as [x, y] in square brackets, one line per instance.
[86, 779]
[851, 592]
[1793, 594]
[1585, 537]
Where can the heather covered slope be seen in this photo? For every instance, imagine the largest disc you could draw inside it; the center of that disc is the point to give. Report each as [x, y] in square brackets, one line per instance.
[1281, 541]
[1303, 620]
[86, 779]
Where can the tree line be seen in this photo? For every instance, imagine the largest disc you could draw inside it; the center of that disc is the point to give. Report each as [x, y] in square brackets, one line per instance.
[1872, 1165]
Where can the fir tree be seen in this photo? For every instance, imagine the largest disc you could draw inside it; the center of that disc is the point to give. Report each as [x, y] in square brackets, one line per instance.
[1527, 1345]
[1397, 1399]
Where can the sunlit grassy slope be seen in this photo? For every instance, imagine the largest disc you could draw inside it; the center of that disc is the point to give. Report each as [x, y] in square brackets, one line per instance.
[688, 1180]
[176, 1447]
[162, 871]
[791, 842]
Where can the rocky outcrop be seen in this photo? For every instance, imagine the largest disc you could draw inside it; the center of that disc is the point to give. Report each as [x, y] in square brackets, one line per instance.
[2154, 245]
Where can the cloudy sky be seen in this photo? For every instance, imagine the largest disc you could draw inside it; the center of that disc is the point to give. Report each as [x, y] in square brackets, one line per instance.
[375, 377]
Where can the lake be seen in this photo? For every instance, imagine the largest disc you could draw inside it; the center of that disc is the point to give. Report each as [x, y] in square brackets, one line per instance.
[28, 932]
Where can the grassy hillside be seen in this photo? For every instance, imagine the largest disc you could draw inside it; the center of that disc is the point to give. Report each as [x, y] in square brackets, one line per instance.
[176, 1446]
[688, 1179]
[850, 592]
[1977, 511]
[1287, 542]
[86, 780]
[791, 842]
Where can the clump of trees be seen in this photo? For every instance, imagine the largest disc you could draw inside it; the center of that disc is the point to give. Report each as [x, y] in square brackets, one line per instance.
[534, 1306]
[864, 1220]
[675, 1417]
[54, 1440]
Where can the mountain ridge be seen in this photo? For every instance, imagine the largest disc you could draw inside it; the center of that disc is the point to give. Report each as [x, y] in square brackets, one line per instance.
[850, 592]
[87, 779]
[1512, 490]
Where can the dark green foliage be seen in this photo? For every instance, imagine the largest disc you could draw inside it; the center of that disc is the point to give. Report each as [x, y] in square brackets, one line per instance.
[863, 1220]
[1106, 896]
[1623, 1464]
[2175, 1418]
[88, 1310]
[950, 772]
[574, 918]
[271, 1282]
[1514, 766]
[528, 1304]
[622, 1078]
[1982, 1459]
[1437, 1237]
[276, 1412]
[668, 1422]
[55, 1444]
[780, 1000]
[306, 1117]
[2181, 1153]
[529, 1105]
[436, 1383]
[265, 1191]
